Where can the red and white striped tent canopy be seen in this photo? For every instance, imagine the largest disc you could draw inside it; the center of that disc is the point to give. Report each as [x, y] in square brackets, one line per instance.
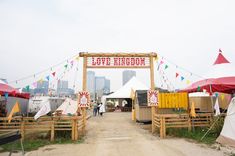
[220, 78]
[7, 89]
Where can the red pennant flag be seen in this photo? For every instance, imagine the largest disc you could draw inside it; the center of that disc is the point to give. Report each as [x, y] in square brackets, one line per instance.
[53, 74]
[176, 74]
[220, 50]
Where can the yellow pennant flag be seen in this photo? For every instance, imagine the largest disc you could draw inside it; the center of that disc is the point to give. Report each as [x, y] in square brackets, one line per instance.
[132, 96]
[222, 96]
[187, 82]
[15, 109]
[192, 112]
[77, 58]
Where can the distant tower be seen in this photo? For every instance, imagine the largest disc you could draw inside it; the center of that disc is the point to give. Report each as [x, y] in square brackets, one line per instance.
[91, 83]
[127, 75]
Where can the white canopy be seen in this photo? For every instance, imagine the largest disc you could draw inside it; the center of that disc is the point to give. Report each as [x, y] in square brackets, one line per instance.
[227, 135]
[125, 91]
[68, 107]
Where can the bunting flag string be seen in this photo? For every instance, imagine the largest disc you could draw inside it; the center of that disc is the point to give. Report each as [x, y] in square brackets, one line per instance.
[76, 57]
[166, 66]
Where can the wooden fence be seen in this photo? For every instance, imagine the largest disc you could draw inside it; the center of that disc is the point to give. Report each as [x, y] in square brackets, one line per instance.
[164, 121]
[75, 124]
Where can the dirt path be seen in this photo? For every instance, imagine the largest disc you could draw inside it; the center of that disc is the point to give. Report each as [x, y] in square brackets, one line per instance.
[116, 135]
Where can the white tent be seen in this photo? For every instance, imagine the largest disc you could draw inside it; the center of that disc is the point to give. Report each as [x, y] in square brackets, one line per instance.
[68, 107]
[125, 91]
[227, 135]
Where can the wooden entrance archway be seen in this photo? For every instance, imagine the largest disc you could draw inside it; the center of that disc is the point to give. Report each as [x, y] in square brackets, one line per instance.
[118, 60]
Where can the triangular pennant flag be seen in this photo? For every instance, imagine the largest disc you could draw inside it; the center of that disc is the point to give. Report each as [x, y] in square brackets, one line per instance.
[15, 109]
[71, 62]
[187, 82]
[6, 95]
[41, 80]
[65, 66]
[27, 88]
[35, 84]
[198, 88]
[53, 74]
[192, 111]
[166, 66]
[176, 75]
[77, 58]
[182, 78]
[48, 78]
[46, 108]
[216, 107]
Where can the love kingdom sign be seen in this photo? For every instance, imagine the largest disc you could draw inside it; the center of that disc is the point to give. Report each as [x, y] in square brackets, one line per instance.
[118, 62]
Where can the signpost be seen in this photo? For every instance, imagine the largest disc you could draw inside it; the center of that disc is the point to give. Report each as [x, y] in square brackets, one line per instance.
[118, 60]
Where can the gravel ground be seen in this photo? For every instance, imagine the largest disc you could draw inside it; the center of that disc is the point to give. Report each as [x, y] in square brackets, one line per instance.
[115, 134]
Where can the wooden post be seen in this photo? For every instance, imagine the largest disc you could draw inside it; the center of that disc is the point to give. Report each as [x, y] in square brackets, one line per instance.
[189, 123]
[84, 88]
[52, 130]
[164, 127]
[22, 126]
[76, 129]
[73, 129]
[161, 127]
[153, 109]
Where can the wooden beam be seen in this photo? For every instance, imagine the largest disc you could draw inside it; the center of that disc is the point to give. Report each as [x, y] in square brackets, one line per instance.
[153, 108]
[86, 54]
[134, 67]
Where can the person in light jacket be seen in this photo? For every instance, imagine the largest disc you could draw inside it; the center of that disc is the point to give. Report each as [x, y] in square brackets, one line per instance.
[102, 109]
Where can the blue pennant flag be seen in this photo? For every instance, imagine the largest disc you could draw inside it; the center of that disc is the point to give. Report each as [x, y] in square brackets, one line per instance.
[48, 78]
[182, 78]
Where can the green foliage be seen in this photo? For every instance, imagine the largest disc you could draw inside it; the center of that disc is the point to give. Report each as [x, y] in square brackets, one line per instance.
[218, 125]
[35, 142]
[195, 134]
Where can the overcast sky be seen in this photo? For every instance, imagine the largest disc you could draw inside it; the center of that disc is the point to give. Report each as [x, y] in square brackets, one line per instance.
[35, 35]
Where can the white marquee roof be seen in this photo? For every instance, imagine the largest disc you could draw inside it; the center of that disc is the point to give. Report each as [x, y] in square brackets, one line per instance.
[125, 91]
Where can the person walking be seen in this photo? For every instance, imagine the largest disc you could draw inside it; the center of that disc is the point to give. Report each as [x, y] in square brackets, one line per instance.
[98, 108]
[95, 108]
[102, 109]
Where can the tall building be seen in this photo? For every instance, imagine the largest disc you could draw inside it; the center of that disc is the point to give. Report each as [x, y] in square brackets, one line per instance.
[62, 84]
[91, 83]
[107, 86]
[127, 75]
[63, 88]
[42, 87]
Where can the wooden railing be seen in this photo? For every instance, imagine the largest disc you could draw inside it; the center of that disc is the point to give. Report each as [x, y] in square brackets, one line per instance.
[75, 124]
[164, 121]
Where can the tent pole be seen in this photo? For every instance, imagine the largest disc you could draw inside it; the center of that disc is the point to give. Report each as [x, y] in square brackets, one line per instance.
[212, 107]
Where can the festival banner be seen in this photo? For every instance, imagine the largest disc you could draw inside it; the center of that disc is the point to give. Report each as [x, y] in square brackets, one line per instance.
[83, 99]
[118, 62]
[152, 98]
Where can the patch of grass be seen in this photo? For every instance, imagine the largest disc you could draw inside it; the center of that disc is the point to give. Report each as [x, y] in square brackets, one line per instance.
[34, 144]
[195, 134]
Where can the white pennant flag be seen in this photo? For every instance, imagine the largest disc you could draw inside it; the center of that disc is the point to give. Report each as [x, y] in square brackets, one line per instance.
[46, 108]
[216, 107]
